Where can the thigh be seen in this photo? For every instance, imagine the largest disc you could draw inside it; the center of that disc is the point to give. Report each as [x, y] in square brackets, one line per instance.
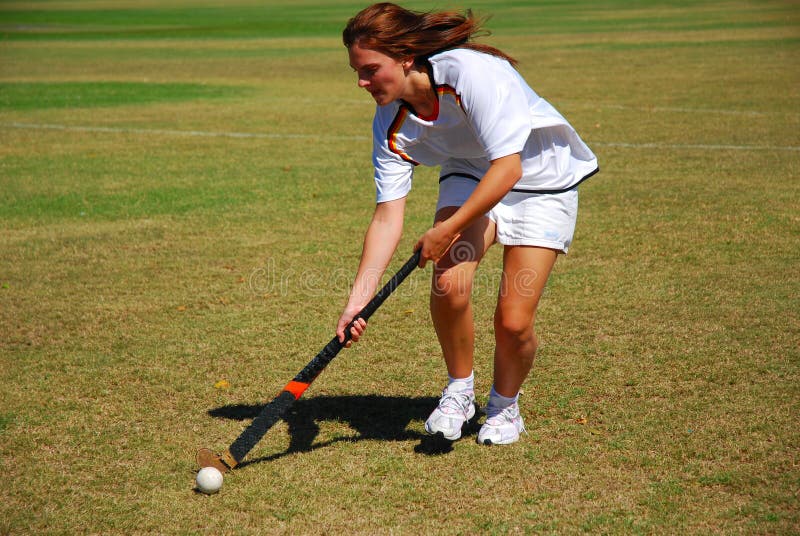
[525, 273]
[458, 265]
[473, 243]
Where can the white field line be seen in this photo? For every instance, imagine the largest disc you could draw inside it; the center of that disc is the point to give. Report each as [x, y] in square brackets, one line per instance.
[167, 132]
[677, 109]
[281, 136]
[701, 146]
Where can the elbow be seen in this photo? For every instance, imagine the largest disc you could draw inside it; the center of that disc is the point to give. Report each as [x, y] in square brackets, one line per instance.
[511, 167]
[516, 171]
[389, 216]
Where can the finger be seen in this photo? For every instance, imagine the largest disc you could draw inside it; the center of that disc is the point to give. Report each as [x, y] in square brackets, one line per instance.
[361, 324]
[341, 329]
[422, 259]
[450, 245]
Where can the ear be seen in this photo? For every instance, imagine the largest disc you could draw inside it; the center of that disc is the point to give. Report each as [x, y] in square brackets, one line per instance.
[407, 64]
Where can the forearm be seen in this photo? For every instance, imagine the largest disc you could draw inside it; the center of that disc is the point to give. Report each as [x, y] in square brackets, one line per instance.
[502, 175]
[496, 183]
[380, 242]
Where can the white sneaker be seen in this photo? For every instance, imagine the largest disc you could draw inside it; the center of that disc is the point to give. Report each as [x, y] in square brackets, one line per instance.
[456, 407]
[502, 426]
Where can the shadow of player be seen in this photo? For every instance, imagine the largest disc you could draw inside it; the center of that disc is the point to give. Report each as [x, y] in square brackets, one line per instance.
[373, 417]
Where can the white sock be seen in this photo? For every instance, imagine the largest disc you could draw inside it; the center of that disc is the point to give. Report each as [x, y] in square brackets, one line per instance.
[469, 381]
[496, 400]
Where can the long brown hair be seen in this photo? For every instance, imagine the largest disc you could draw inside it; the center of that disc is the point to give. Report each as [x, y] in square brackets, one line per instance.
[401, 33]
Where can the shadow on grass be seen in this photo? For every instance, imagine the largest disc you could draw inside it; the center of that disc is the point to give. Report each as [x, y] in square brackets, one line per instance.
[373, 417]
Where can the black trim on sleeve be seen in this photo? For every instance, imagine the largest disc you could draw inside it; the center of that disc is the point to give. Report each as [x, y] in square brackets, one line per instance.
[524, 190]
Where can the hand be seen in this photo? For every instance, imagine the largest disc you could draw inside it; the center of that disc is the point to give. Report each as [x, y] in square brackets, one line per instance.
[435, 243]
[359, 326]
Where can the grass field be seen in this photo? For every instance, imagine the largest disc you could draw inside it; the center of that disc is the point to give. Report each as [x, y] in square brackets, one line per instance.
[183, 191]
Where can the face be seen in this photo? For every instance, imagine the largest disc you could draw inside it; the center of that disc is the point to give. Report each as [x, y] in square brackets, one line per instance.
[384, 77]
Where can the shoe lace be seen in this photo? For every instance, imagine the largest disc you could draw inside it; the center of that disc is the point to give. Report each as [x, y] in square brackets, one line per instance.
[459, 401]
[499, 416]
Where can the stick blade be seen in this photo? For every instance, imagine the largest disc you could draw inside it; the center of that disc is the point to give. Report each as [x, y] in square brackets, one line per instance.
[206, 458]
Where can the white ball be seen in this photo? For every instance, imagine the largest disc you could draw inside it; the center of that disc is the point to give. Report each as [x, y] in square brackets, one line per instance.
[209, 480]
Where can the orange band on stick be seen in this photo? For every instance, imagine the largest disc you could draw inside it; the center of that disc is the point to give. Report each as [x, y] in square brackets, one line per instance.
[296, 388]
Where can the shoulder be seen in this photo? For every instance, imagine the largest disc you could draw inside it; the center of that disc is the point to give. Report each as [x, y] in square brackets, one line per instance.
[466, 59]
[458, 62]
[462, 56]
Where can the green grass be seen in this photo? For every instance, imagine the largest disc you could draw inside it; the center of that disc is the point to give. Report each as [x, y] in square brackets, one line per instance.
[166, 21]
[183, 191]
[33, 95]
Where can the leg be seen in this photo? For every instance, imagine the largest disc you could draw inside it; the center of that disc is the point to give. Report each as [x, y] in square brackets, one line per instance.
[451, 308]
[451, 311]
[525, 273]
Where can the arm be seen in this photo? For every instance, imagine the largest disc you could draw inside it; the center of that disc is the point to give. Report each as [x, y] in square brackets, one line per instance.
[380, 243]
[503, 173]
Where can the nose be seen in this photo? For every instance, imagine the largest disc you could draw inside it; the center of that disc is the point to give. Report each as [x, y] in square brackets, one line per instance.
[362, 82]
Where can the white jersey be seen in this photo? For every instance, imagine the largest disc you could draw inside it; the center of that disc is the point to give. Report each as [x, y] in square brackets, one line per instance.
[485, 110]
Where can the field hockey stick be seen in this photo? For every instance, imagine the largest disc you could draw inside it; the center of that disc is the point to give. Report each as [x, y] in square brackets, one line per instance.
[293, 390]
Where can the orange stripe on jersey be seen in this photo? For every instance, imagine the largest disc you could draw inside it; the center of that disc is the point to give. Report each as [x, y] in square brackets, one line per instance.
[391, 135]
[296, 388]
[444, 89]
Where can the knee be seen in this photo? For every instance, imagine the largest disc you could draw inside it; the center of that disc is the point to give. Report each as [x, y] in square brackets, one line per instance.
[514, 327]
[451, 290]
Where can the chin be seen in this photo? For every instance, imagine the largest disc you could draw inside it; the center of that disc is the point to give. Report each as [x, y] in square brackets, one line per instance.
[382, 99]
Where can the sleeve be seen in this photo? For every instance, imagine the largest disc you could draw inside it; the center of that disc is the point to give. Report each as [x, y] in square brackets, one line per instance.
[499, 111]
[393, 175]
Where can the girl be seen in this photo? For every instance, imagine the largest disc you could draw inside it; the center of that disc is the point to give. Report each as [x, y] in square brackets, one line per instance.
[510, 167]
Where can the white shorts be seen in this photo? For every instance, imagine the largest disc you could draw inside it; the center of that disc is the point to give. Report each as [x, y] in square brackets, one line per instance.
[522, 219]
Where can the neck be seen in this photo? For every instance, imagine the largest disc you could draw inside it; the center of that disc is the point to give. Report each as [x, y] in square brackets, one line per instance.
[420, 93]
